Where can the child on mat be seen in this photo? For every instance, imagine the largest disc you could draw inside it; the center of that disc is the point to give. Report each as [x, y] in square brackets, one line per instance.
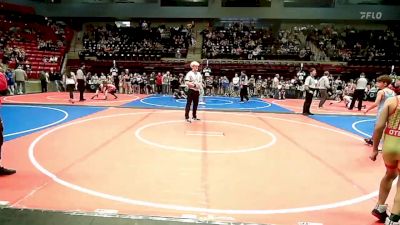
[106, 88]
[382, 83]
[388, 123]
[70, 84]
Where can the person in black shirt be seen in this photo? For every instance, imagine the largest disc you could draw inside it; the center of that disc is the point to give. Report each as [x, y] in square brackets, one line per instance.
[244, 93]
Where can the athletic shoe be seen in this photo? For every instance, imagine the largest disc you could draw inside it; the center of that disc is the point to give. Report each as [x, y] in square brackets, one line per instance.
[202, 103]
[380, 212]
[5, 172]
[188, 120]
[389, 222]
[368, 141]
[195, 119]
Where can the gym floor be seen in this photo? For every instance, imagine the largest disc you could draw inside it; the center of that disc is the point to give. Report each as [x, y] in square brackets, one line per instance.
[254, 162]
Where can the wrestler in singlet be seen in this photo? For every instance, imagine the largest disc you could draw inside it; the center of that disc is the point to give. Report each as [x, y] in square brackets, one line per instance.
[391, 143]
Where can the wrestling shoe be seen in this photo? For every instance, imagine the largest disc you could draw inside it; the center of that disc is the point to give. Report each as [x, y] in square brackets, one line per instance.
[6, 172]
[389, 222]
[380, 212]
[368, 141]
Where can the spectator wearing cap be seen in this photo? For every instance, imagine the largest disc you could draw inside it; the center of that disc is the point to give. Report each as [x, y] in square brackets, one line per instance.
[193, 80]
[361, 85]
[323, 85]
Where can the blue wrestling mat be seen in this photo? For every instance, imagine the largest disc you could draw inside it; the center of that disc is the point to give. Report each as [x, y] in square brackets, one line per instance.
[20, 120]
[360, 125]
[211, 103]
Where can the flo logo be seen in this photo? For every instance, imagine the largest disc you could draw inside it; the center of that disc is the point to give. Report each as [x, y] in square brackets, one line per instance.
[371, 15]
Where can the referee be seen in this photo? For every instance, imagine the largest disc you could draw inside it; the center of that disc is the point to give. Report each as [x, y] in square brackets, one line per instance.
[80, 78]
[309, 86]
[193, 80]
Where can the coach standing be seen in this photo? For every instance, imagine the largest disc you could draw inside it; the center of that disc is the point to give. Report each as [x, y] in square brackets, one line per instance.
[193, 80]
[81, 80]
[362, 83]
[309, 86]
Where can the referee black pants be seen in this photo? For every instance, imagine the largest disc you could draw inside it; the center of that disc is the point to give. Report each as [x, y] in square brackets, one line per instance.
[81, 88]
[307, 102]
[244, 93]
[358, 96]
[193, 96]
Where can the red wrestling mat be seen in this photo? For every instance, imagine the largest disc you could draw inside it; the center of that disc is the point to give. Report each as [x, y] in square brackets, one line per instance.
[63, 98]
[335, 108]
[259, 168]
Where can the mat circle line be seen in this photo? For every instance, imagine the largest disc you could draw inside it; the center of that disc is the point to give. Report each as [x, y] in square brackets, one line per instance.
[60, 181]
[211, 151]
[143, 100]
[41, 127]
[354, 126]
[228, 102]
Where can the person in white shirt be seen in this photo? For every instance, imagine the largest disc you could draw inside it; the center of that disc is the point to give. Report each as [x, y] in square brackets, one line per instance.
[193, 80]
[323, 85]
[81, 82]
[359, 92]
[70, 83]
[236, 85]
[275, 83]
[309, 86]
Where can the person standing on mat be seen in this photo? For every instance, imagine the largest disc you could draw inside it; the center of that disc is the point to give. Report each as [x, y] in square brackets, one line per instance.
[362, 83]
[193, 80]
[244, 92]
[309, 86]
[3, 91]
[323, 85]
[81, 80]
[388, 123]
[70, 84]
[382, 83]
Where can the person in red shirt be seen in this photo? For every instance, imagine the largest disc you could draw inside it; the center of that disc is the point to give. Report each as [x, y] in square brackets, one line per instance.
[106, 88]
[3, 90]
[159, 83]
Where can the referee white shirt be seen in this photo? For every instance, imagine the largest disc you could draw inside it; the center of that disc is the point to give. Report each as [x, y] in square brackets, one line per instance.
[80, 75]
[362, 83]
[309, 83]
[196, 78]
